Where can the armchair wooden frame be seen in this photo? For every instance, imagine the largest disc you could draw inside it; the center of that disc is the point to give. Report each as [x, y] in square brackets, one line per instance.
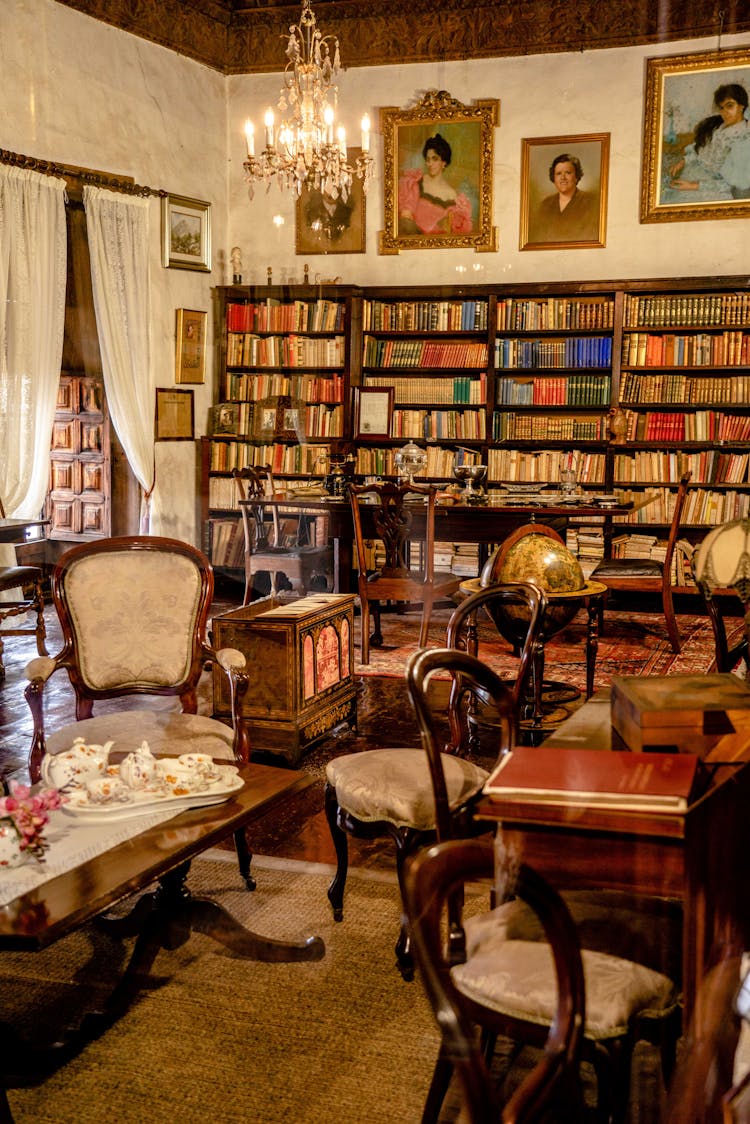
[394, 580]
[74, 585]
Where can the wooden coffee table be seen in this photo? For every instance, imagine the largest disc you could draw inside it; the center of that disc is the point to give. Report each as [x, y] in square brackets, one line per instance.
[161, 918]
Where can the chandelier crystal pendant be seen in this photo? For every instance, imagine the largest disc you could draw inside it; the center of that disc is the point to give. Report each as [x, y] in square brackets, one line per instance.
[306, 148]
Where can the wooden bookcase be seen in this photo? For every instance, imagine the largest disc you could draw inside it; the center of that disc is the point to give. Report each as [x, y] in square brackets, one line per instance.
[522, 378]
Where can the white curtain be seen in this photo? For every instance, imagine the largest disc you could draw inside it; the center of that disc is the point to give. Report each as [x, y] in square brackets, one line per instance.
[33, 245]
[118, 235]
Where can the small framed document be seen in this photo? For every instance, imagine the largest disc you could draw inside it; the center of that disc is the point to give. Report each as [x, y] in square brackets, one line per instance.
[190, 348]
[174, 415]
[374, 411]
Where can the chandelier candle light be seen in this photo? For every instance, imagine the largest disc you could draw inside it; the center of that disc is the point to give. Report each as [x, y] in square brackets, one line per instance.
[306, 148]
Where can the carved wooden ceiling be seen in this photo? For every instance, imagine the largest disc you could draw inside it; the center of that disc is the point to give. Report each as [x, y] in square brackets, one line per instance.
[244, 36]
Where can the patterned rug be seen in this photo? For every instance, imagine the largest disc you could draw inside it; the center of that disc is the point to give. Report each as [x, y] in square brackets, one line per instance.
[632, 644]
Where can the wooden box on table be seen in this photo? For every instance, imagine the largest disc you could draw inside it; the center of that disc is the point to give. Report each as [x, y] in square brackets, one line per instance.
[693, 711]
[300, 658]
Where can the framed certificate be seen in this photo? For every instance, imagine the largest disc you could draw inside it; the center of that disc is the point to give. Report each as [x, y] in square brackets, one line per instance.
[374, 411]
[174, 415]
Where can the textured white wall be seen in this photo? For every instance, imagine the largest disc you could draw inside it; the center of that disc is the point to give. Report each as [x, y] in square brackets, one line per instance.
[566, 94]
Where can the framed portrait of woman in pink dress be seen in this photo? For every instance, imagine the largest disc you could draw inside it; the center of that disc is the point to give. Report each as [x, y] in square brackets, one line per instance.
[437, 174]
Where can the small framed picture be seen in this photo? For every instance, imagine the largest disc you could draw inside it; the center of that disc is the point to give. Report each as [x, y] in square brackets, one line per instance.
[331, 226]
[190, 350]
[374, 411]
[175, 419]
[696, 142]
[186, 233]
[564, 192]
[224, 420]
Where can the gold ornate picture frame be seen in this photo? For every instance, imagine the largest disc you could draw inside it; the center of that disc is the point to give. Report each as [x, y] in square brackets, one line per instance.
[331, 226]
[175, 415]
[438, 196]
[696, 155]
[554, 168]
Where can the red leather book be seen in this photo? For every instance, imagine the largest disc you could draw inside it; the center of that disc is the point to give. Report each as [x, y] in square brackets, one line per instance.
[660, 782]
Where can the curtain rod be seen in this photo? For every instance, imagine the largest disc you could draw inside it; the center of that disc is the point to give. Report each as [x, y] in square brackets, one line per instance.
[95, 179]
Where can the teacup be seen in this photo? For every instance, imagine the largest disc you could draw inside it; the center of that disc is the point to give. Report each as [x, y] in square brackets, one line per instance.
[180, 779]
[107, 790]
[75, 765]
[201, 763]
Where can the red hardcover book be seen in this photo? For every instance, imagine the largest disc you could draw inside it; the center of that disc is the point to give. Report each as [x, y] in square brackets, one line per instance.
[656, 782]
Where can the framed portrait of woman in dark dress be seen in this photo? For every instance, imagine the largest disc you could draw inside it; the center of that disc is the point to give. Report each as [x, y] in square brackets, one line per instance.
[564, 192]
[437, 174]
[328, 225]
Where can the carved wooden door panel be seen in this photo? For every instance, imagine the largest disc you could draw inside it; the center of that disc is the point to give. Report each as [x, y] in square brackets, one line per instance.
[78, 502]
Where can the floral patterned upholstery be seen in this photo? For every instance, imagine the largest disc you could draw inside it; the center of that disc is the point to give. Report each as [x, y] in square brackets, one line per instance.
[394, 785]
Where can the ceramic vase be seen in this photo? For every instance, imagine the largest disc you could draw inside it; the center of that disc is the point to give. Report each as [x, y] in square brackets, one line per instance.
[10, 845]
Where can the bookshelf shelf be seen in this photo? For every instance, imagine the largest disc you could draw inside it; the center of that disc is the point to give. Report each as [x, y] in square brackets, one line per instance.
[521, 377]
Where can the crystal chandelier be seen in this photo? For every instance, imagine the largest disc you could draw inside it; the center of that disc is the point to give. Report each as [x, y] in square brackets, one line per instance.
[305, 148]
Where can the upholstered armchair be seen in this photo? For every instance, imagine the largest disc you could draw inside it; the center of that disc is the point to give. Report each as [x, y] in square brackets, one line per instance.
[133, 613]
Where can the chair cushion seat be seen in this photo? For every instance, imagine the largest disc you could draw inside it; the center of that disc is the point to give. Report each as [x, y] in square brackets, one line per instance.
[517, 978]
[627, 568]
[394, 785]
[11, 576]
[168, 733]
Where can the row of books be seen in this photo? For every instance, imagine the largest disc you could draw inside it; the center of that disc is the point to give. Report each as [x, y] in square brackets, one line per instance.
[701, 426]
[439, 425]
[575, 351]
[698, 309]
[227, 543]
[315, 419]
[249, 350]
[549, 427]
[554, 313]
[655, 549]
[643, 349]
[424, 353]
[379, 462]
[586, 542]
[310, 388]
[697, 391]
[283, 459]
[543, 465]
[290, 316]
[701, 506]
[424, 391]
[711, 466]
[574, 390]
[425, 316]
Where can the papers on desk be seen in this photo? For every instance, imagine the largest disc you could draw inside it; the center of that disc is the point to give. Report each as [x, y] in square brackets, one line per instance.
[654, 782]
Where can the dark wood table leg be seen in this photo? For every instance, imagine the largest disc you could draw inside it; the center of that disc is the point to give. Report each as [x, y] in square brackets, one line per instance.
[592, 642]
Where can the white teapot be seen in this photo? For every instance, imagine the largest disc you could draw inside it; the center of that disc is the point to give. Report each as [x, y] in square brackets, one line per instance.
[138, 769]
[82, 762]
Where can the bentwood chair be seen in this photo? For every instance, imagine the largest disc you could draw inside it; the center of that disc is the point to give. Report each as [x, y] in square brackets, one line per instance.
[29, 581]
[500, 964]
[301, 564]
[648, 575]
[392, 507]
[133, 612]
[433, 879]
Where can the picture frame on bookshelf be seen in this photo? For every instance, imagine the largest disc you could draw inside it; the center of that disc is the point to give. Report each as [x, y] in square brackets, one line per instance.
[190, 346]
[186, 233]
[280, 418]
[331, 226]
[696, 144]
[548, 222]
[224, 420]
[437, 174]
[175, 417]
[374, 412]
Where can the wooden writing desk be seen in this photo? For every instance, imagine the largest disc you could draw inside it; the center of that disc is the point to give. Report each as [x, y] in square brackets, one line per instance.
[475, 523]
[699, 857]
[163, 919]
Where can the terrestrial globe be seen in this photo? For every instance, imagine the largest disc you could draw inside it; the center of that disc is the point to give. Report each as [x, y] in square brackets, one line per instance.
[540, 557]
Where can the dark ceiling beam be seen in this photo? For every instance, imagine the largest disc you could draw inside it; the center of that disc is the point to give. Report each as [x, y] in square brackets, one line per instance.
[244, 38]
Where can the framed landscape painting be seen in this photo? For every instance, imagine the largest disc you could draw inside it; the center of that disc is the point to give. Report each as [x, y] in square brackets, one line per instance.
[696, 144]
[437, 175]
[564, 192]
[186, 233]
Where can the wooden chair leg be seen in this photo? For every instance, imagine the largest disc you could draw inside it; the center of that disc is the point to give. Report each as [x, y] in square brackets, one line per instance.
[41, 628]
[669, 616]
